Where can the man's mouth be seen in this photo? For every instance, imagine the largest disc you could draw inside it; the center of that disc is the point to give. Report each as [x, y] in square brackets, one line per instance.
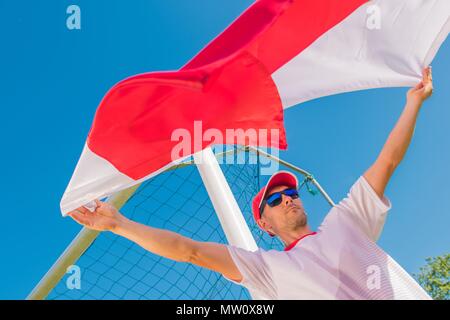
[292, 207]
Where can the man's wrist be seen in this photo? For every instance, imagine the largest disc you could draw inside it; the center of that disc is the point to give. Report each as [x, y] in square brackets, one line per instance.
[123, 224]
[414, 104]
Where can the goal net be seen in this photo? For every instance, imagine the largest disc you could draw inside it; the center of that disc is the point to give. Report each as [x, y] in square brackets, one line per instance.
[113, 267]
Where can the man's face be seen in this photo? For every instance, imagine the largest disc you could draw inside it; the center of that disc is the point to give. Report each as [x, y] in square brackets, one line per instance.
[287, 216]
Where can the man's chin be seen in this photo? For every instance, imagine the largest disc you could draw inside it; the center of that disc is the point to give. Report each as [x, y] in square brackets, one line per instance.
[301, 219]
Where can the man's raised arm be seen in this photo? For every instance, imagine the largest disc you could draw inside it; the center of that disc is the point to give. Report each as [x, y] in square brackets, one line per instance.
[171, 245]
[391, 155]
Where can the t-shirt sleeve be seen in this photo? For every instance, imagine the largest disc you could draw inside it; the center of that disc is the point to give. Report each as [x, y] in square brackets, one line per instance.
[256, 274]
[365, 208]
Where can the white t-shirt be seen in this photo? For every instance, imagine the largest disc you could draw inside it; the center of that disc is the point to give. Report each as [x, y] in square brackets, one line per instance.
[339, 261]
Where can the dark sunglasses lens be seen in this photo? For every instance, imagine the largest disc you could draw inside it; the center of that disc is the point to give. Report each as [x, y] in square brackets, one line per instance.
[274, 199]
[291, 193]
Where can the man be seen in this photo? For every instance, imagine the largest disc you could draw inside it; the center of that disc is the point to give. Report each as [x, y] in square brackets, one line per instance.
[338, 261]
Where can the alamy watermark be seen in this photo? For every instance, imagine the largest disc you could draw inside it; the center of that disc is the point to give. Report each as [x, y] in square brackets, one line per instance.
[373, 281]
[74, 279]
[73, 21]
[190, 143]
[373, 21]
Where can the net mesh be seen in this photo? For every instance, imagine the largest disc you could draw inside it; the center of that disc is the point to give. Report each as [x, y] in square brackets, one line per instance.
[116, 268]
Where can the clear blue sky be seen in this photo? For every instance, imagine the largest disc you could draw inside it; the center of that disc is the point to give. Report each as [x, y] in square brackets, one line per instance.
[52, 80]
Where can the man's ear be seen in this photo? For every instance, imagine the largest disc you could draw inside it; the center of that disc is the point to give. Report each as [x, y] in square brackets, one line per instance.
[260, 224]
[263, 225]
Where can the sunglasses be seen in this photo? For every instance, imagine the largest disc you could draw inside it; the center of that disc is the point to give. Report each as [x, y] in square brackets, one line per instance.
[275, 198]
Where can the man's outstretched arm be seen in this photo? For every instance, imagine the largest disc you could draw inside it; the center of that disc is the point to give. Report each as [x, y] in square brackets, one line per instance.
[165, 243]
[394, 150]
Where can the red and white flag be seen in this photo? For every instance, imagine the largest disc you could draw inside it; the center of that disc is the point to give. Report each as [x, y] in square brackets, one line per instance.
[277, 54]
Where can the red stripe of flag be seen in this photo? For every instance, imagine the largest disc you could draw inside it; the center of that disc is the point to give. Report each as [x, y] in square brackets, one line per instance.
[228, 85]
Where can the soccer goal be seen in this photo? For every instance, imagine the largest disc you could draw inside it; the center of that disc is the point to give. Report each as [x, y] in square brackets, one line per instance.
[208, 200]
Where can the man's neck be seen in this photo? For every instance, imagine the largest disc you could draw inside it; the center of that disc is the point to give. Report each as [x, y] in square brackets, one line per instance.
[293, 235]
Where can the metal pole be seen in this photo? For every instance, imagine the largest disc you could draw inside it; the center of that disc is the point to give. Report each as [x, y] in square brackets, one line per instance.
[227, 209]
[74, 251]
[291, 166]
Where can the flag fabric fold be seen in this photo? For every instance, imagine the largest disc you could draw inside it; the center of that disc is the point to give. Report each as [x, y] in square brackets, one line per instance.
[277, 54]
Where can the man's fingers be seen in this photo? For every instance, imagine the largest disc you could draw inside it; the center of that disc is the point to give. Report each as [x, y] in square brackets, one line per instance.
[427, 75]
[80, 210]
[419, 86]
[98, 202]
[79, 217]
[429, 82]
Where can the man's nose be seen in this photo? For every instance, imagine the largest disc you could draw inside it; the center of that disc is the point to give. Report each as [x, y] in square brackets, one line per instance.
[287, 200]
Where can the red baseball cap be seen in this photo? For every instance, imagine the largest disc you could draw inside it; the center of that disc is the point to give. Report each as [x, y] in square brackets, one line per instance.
[280, 178]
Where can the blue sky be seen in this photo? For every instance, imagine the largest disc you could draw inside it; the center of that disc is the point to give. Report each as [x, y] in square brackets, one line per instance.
[52, 80]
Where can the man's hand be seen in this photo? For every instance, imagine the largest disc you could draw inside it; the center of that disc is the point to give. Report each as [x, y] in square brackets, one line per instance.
[423, 89]
[104, 218]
